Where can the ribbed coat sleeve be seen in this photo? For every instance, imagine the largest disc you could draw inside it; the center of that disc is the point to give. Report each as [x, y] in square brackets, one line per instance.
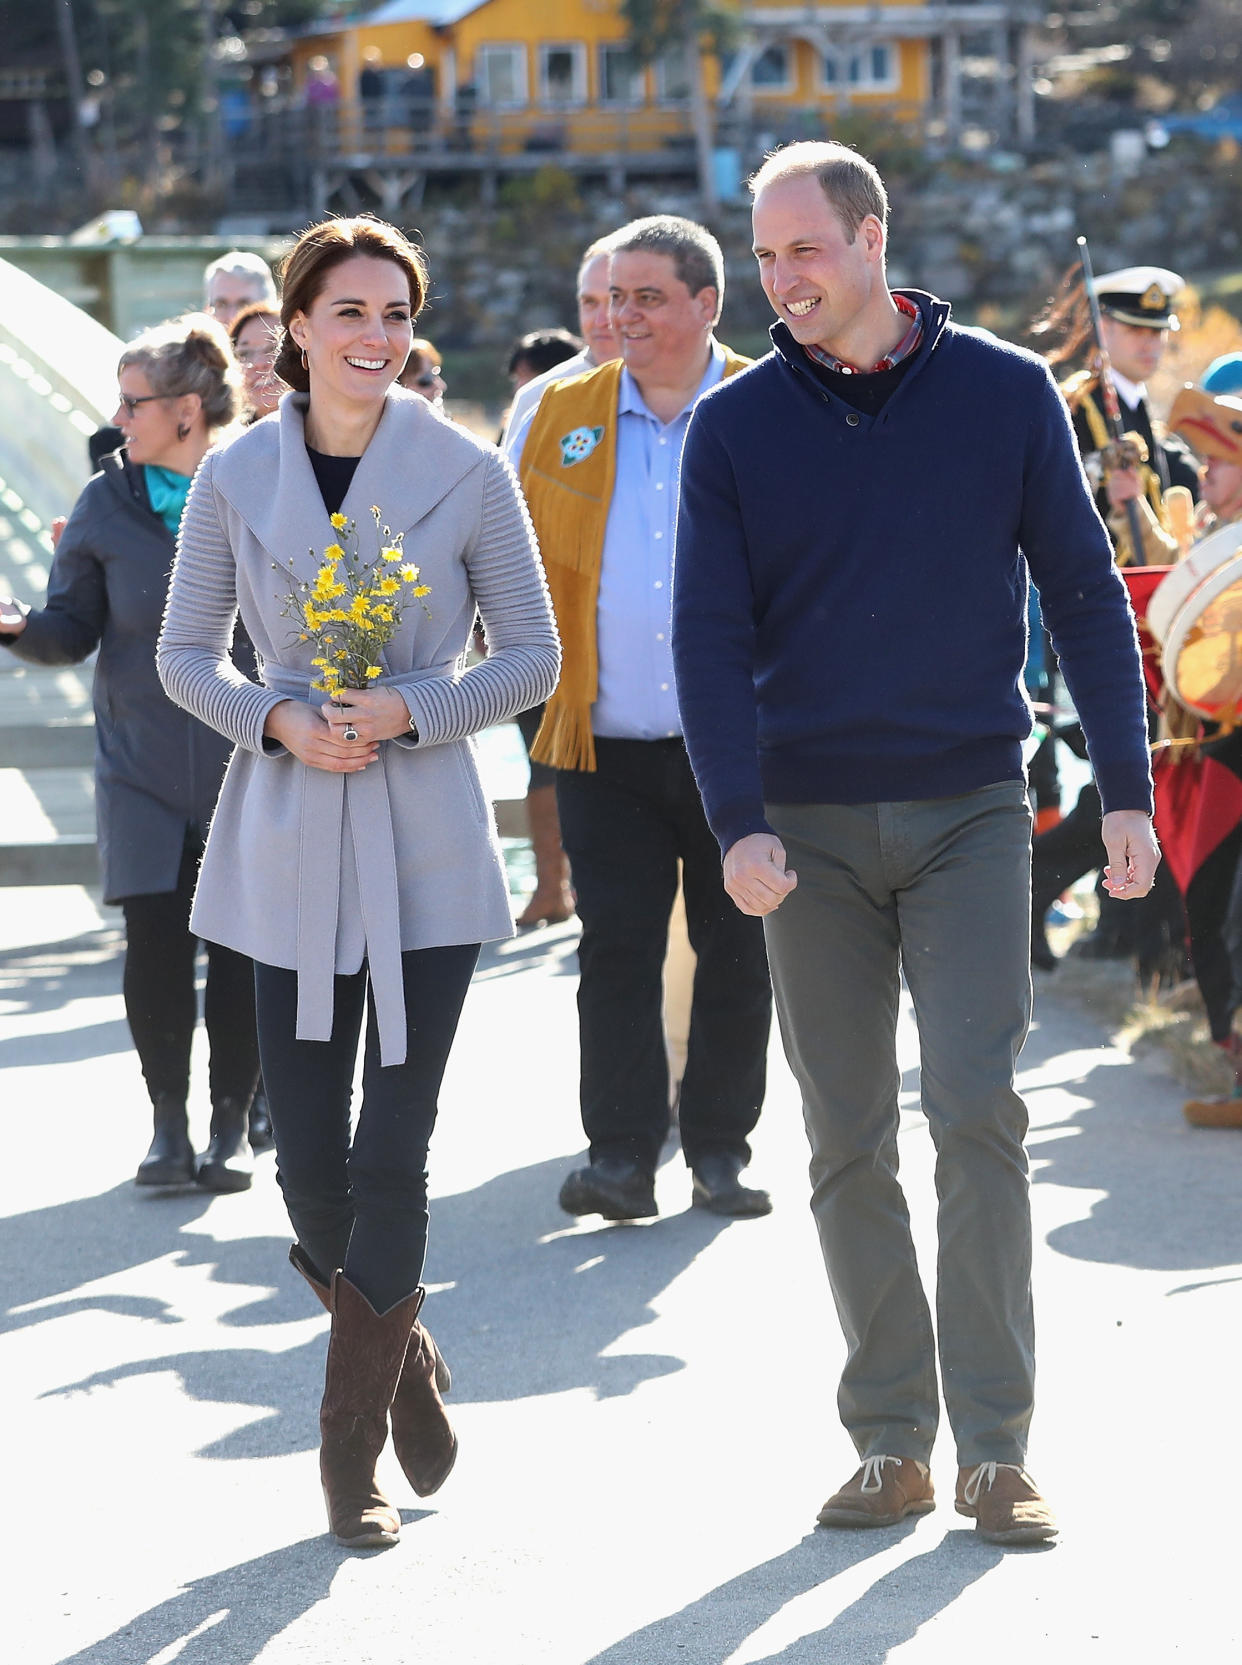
[193, 652]
[524, 655]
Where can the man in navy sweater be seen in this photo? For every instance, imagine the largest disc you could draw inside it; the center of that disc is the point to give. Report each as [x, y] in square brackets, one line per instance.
[858, 515]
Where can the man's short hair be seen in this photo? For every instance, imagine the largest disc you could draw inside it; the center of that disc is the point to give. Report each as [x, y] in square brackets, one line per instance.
[852, 184]
[240, 263]
[542, 350]
[696, 255]
[601, 245]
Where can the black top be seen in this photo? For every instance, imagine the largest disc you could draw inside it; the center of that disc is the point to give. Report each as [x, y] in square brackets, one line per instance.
[866, 390]
[334, 476]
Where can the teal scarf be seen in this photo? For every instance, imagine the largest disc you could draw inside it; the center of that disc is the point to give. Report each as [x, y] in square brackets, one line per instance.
[167, 492]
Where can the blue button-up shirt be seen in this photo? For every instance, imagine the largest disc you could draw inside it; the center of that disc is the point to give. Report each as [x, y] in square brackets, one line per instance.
[637, 694]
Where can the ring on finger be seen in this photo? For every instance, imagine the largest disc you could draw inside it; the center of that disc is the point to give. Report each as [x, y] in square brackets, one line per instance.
[349, 732]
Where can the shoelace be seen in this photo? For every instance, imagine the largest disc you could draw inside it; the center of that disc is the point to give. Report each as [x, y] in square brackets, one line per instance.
[984, 1474]
[873, 1472]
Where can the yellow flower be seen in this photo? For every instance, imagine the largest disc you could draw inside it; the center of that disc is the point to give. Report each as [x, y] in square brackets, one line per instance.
[389, 586]
[339, 521]
[383, 612]
[374, 670]
[341, 653]
[334, 553]
[423, 589]
[392, 553]
[358, 609]
[319, 660]
[410, 573]
[311, 617]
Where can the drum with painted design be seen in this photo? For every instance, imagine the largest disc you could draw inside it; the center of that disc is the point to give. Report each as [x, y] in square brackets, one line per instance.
[1196, 615]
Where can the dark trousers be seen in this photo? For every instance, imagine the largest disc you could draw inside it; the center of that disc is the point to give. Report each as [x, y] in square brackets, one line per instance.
[1153, 929]
[161, 1000]
[361, 1204]
[625, 826]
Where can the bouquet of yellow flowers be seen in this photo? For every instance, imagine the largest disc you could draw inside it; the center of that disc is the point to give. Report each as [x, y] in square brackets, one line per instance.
[352, 609]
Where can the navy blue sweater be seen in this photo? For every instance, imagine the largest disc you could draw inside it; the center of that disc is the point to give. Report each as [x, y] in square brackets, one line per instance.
[849, 621]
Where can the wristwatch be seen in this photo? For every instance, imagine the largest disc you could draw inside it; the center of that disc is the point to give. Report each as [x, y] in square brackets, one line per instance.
[414, 729]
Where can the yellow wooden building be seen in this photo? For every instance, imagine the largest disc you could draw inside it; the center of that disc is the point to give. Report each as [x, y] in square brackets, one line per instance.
[560, 75]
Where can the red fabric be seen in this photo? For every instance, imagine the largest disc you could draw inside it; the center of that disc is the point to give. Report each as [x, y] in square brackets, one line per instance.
[909, 343]
[1141, 583]
[1198, 804]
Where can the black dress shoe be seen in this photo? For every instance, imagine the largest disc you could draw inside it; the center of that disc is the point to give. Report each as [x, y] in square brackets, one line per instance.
[170, 1160]
[260, 1122]
[717, 1187]
[614, 1187]
[228, 1161]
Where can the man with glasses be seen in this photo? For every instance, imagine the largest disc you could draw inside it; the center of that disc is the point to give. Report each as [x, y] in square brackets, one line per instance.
[235, 280]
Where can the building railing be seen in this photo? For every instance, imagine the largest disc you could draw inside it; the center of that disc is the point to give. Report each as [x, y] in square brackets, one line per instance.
[421, 129]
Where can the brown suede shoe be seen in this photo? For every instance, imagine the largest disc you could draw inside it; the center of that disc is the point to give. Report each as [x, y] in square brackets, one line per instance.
[1004, 1503]
[422, 1435]
[366, 1350]
[1213, 1112]
[884, 1491]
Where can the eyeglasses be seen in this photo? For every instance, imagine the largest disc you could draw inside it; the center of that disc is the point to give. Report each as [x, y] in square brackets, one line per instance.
[131, 404]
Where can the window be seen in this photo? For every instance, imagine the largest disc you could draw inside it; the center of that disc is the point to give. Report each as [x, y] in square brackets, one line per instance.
[562, 74]
[862, 69]
[500, 73]
[673, 74]
[620, 74]
[772, 70]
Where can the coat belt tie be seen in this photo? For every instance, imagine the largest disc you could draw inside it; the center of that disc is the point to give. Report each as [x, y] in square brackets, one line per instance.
[326, 795]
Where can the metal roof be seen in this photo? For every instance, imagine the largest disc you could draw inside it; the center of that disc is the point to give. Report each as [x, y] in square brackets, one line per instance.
[420, 11]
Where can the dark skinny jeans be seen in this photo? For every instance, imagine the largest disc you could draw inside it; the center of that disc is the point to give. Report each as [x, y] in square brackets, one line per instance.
[361, 1204]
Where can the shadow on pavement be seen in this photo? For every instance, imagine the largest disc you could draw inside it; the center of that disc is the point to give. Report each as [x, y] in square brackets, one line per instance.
[886, 1615]
[1172, 1190]
[538, 1317]
[51, 976]
[229, 1617]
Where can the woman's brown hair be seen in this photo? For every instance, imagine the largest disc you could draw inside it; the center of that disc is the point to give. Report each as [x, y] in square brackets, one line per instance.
[255, 309]
[305, 272]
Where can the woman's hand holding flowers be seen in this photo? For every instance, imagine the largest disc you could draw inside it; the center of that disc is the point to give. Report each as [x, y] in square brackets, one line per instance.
[372, 713]
[301, 730]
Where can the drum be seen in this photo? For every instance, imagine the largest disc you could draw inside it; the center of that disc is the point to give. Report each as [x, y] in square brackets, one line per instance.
[1195, 614]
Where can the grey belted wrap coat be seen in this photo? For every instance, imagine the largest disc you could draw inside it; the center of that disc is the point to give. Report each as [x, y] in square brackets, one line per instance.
[313, 870]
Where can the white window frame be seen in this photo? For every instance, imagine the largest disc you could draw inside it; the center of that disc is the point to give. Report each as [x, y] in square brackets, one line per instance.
[639, 94]
[516, 51]
[866, 82]
[769, 89]
[578, 56]
[662, 72]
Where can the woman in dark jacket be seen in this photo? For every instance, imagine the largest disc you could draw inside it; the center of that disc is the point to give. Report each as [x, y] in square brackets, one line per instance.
[157, 769]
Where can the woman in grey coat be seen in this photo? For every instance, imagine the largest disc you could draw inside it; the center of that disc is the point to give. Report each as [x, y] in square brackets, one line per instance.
[157, 769]
[353, 854]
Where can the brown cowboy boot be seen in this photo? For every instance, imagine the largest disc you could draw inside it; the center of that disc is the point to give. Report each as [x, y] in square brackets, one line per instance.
[422, 1435]
[365, 1353]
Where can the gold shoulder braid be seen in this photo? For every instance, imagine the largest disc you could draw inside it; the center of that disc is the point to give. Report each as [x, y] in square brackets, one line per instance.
[1080, 393]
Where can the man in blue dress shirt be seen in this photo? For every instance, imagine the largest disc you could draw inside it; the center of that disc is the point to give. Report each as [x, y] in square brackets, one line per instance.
[599, 461]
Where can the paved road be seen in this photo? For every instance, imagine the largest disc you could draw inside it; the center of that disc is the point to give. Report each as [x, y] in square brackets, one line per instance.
[646, 1413]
